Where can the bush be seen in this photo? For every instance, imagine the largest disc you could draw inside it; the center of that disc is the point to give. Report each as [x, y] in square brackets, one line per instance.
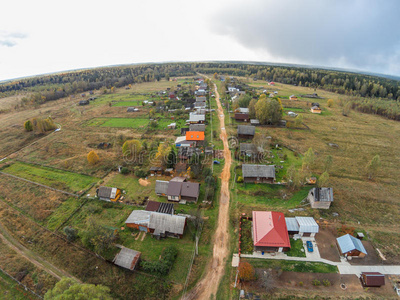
[330, 102]
[124, 171]
[141, 173]
[93, 158]
[301, 283]
[71, 233]
[246, 271]
[326, 282]
[240, 179]
[162, 266]
[28, 125]
[316, 282]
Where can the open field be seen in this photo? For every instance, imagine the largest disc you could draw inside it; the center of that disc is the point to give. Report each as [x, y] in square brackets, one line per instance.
[55, 178]
[34, 200]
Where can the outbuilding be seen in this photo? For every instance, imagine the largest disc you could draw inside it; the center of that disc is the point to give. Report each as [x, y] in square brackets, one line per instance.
[127, 258]
[108, 193]
[320, 197]
[351, 246]
[246, 131]
[372, 279]
[258, 173]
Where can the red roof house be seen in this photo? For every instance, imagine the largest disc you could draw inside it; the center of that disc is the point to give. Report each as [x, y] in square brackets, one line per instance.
[270, 233]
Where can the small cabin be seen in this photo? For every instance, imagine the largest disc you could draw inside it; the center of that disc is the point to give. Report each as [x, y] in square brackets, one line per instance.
[108, 193]
[156, 171]
[372, 279]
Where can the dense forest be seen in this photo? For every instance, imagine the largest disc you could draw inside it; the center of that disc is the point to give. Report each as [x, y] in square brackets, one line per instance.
[380, 95]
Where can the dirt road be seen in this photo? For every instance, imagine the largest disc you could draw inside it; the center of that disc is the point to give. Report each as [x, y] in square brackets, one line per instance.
[209, 284]
[10, 241]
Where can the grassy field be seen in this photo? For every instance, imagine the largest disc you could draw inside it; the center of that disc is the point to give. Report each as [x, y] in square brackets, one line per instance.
[55, 178]
[294, 266]
[135, 123]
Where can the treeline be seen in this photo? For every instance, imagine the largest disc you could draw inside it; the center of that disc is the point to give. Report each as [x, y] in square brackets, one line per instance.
[386, 108]
[56, 86]
[335, 81]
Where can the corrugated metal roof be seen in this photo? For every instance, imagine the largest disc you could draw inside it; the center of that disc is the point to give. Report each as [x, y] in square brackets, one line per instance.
[269, 229]
[307, 224]
[161, 187]
[348, 243]
[162, 223]
[127, 258]
[139, 217]
[263, 171]
[246, 129]
[291, 224]
[104, 192]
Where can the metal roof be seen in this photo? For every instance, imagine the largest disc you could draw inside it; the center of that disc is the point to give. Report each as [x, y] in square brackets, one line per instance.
[322, 194]
[263, 171]
[254, 122]
[127, 258]
[162, 223]
[348, 243]
[291, 224]
[248, 148]
[197, 127]
[161, 186]
[246, 129]
[196, 118]
[152, 206]
[139, 217]
[243, 110]
[307, 224]
[269, 229]
[107, 192]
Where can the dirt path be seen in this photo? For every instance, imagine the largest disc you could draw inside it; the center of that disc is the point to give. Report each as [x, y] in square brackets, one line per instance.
[11, 242]
[208, 285]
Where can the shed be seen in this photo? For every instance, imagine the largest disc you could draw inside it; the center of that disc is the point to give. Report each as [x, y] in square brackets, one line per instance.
[373, 279]
[154, 171]
[127, 258]
[316, 110]
[108, 193]
[248, 149]
[292, 97]
[84, 102]
[197, 119]
[246, 131]
[254, 122]
[351, 246]
[243, 110]
[320, 197]
[258, 173]
[183, 131]
[132, 109]
[161, 187]
[292, 226]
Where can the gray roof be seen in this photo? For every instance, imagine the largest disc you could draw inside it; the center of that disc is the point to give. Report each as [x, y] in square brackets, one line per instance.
[200, 104]
[254, 122]
[106, 192]
[322, 194]
[244, 110]
[348, 243]
[248, 148]
[263, 171]
[164, 222]
[190, 189]
[197, 118]
[127, 258]
[246, 129]
[161, 186]
[307, 224]
[174, 188]
[179, 179]
[197, 127]
[292, 224]
[201, 99]
[139, 217]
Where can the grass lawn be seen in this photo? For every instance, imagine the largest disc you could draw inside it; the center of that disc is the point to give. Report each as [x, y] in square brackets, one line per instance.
[10, 290]
[293, 266]
[127, 103]
[296, 248]
[269, 195]
[55, 178]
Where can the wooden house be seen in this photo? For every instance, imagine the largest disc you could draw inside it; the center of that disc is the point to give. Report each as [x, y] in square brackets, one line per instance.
[188, 191]
[108, 193]
[246, 131]
[270, 233]
[161, 187]
[127, 258]
[248, 149]
[351, 246]
[240, 117]
[258, 173]
[320, 197]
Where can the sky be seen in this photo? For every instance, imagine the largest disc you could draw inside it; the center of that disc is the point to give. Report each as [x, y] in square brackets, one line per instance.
[44, 36]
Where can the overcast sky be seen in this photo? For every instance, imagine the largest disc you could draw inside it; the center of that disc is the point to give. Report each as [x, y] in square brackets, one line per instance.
[48, 36]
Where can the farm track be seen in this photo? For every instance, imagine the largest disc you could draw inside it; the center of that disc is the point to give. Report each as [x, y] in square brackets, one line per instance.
[14, 244]
[209, 284]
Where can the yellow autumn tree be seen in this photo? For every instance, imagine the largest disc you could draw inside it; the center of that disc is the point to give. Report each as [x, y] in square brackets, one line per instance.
[330, 102]
[93, 158]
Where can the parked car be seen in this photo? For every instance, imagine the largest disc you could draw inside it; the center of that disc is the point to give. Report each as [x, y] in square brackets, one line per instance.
[310, 247]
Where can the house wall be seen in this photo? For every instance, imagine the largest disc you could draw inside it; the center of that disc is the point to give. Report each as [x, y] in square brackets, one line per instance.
[258, 180]
[318, 204]
[270, 249]
[136, 226]
[191, 199]
[173, 198]
[245, 136]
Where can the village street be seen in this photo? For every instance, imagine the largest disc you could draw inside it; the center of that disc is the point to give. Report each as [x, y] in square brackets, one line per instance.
[209, 284]
[343, 266]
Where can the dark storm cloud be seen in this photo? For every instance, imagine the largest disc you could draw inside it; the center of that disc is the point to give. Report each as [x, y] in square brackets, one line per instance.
[8, 39]
[353, 34]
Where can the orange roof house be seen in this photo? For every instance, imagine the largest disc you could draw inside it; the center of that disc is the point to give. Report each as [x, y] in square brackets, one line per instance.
[270, 233]
[195, 135]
